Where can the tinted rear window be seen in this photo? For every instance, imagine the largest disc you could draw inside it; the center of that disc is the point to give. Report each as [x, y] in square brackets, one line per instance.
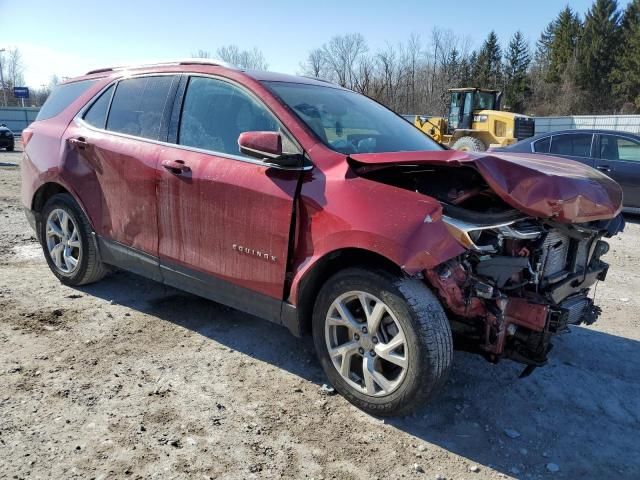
[138, 106]
[578, 145]
[542, 146]
[62, 96]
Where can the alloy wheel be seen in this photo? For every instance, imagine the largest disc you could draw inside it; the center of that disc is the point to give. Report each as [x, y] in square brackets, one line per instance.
[366, 343]
[63, 241]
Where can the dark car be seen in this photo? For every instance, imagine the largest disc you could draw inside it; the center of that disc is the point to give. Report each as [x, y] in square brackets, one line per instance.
[321, 210]
[6, 138]
[617, 154]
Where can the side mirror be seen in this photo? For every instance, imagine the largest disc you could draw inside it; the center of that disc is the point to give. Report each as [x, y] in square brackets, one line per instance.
[261, 145]
[267, 146]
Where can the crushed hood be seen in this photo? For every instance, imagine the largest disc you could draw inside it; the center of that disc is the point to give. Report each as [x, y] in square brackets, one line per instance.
[538, 185]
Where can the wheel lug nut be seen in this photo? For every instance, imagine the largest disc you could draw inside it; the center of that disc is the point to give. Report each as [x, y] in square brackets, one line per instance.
[361, 351]
[374, 339]
[372, 353]
[356, 337]
[364, 329]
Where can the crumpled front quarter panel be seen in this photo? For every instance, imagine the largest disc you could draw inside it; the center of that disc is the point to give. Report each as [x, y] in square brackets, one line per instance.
[340, 210]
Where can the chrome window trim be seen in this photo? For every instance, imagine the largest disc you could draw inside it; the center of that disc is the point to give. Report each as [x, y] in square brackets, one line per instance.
[80, 121]
[531, 145]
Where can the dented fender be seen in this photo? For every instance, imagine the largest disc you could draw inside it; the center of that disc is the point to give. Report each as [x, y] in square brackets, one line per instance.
[403, 226]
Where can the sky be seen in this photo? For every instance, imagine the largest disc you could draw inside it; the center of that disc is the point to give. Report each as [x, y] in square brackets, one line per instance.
[70, 37]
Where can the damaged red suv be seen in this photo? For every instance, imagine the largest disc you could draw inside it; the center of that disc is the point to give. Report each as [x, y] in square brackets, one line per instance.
[321, 210]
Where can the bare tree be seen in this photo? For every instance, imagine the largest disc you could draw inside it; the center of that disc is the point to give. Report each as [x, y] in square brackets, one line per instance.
[15, 67]
[408, 77]
[315, 64]
[201, 54]
[249, 59]
[342, 54]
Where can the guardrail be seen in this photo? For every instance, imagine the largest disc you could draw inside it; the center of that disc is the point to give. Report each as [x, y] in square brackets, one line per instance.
[18, 118]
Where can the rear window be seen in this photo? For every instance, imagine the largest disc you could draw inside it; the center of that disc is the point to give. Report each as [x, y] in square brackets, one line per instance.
[577, 145]
[61, 97]
[542, 146]
[139, 105]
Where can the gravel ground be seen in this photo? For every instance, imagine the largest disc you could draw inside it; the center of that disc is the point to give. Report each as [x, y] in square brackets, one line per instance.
[130, 379]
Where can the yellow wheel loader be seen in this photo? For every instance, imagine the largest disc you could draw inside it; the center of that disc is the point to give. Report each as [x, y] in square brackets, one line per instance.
[475, 122]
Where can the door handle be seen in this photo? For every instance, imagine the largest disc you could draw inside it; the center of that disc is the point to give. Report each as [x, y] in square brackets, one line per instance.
[80, 143]
[177, 167]
[604, 168]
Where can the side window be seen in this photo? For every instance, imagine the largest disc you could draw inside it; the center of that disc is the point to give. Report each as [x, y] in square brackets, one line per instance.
[63, 96]
[215, 113]
[139, 105]
[542, 145]
[97, 113]
[619, 148]
[578, 144]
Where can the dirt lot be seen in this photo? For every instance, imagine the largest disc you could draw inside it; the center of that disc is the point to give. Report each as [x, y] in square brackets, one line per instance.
[130, 379]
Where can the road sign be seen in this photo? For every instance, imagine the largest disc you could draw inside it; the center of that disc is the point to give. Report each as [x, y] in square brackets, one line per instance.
[21, 92]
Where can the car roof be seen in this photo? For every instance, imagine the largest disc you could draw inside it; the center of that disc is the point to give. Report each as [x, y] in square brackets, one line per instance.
[601, 131]
[264, 76]
[259, 75]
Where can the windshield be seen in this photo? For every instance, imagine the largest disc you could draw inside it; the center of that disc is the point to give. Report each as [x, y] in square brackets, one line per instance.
[351, 123]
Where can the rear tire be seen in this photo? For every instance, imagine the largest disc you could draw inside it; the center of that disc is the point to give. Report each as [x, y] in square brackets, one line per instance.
[65, 236]
[469, 144]
[377, 377]
[10, 149]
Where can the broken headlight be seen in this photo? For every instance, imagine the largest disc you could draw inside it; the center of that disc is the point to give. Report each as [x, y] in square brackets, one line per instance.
[488, 238]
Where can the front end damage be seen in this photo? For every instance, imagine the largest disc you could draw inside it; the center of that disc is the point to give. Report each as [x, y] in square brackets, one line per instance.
[533, 232]
[521, 281]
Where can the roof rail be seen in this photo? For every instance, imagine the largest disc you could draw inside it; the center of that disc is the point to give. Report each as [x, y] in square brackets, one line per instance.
[318, 79]
[183, 61]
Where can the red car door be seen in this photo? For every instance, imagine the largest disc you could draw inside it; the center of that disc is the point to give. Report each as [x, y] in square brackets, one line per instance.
[112, 164]
[224, 219]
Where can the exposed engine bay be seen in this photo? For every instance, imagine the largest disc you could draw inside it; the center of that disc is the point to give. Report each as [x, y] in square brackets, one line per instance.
[522, 279]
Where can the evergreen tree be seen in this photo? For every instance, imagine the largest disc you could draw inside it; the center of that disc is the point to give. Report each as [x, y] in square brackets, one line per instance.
[630, 18]
[625, 77]
[543, 45]
[563, 42]
[488, 71]
[517, 61]
[468, 70]
[596, 53]
[452, 66]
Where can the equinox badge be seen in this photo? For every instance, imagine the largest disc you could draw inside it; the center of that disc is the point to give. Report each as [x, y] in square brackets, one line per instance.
[254, 253]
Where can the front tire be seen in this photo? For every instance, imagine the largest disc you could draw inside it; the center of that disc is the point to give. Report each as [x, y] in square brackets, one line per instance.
[383, 340]
[65, 236]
